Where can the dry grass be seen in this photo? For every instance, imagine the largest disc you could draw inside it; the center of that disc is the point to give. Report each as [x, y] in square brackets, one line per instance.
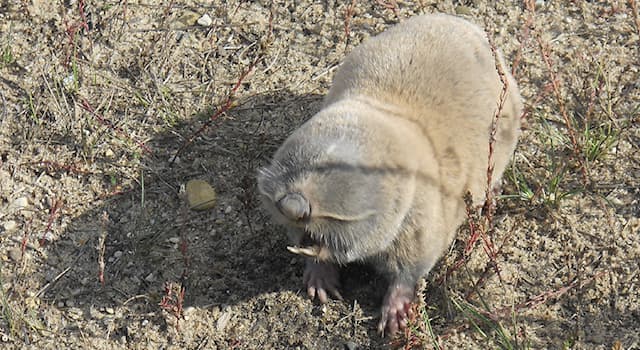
[107, 108]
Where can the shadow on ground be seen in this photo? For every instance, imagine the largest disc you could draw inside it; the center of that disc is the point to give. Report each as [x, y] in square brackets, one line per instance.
[233, 253]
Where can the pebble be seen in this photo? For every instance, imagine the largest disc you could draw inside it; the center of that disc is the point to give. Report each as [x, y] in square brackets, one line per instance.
[463, 10]
[9, 226]
[350, 345]
[32, 302]
[95, 313]
[222, 322]
[109, 310]
[188, 313]
[188, 19]
[69, 81]
[200, 195]
[144, 322]
[117, 254]
[205, 20]
[20, 203]
[150, 277]
[15, 254]
[75, 313]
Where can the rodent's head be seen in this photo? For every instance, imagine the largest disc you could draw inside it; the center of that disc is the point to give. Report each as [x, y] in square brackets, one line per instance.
[321, 190]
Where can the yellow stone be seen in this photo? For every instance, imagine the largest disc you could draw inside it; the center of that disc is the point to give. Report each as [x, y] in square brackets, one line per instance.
[200, 195]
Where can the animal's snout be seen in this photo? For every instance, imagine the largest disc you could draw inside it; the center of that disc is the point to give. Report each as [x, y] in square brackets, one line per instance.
[295, 207]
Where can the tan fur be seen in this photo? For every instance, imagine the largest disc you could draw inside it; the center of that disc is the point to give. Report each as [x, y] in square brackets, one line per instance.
[379, 173]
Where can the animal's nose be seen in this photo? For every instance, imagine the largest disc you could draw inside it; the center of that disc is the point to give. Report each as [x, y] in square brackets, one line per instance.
[295, 207]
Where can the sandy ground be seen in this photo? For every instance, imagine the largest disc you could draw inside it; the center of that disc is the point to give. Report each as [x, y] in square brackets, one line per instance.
[97, 97]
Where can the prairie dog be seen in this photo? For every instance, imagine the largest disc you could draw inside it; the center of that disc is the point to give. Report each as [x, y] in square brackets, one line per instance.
[379, 174]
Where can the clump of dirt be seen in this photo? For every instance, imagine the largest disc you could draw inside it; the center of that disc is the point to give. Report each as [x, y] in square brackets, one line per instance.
[98, 249]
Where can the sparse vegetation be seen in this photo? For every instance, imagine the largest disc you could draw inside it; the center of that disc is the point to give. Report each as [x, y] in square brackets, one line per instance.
[109, 108]
[7, 55]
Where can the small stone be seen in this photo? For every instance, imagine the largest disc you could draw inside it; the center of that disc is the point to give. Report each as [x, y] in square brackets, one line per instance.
[188, 18]
[32, 302]
[95, 313]
[69, 81]
[144, 323]
[109, 310]
[463, 10]
[228, 209]
[222, 322]
[70, 303]
[205, 20]
[350, 345]
[9, 226]
[117, 254]
[15, 254]
[75, 313]
[174, 240]
[616, 201]
[109, 153]
[60, 304]
[200, 195]
[150, 277]
[20, 203]
[188, 313]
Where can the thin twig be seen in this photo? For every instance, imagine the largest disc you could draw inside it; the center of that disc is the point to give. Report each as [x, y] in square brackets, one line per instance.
[634, 11]
[555, 84]
[229, 101]
[51, 166]
[4, 106]
[53, 212]
[104, 121]
[348, 14]
[102, 246]
[55, 279]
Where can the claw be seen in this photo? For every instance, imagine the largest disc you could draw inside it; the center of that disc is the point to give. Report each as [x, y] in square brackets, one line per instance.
[396, 309]
[311, 252]
[322, 280]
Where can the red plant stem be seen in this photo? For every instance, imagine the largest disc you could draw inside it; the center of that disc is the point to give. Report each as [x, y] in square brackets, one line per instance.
[555, 84]
[25, 238]
[72, 30]
[348, 14]
[225, 107]
[55, 166]
[84, 23]
[87, 107]
[57, 204]
[102, 245]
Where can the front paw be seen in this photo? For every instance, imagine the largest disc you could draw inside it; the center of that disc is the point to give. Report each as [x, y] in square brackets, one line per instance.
[396, 308]
[321, 279]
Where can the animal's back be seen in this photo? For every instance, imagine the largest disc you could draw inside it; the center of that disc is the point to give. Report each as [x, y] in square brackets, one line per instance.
[438, 70]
